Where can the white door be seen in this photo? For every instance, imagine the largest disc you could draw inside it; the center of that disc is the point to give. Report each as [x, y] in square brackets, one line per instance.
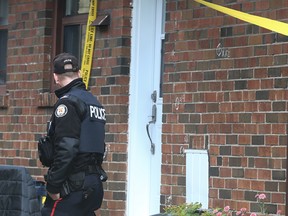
[145, 109]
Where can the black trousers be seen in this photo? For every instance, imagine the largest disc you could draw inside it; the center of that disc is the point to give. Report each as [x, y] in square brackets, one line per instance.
[77, 203]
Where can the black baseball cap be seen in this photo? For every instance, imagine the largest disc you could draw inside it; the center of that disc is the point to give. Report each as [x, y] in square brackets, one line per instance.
[65, 62]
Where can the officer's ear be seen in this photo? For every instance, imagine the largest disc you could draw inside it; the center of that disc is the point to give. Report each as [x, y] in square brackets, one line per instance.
[56, 78]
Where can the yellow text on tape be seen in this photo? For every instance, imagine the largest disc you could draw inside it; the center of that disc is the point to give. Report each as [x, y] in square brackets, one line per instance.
[273, 25]
[89, 43]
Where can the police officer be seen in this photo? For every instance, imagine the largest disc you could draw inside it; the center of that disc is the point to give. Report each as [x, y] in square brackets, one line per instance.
[76, 131]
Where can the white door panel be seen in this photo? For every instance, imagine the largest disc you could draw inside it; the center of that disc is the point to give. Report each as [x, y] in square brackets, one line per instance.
[144, 166]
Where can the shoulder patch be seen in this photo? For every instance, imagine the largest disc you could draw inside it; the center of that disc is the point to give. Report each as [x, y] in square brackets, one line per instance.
[61, 111]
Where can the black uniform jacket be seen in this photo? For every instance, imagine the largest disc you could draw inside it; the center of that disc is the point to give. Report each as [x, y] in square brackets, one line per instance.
[65, 133]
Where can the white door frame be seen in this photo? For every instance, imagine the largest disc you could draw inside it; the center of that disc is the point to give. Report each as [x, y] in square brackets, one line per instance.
[144, 168]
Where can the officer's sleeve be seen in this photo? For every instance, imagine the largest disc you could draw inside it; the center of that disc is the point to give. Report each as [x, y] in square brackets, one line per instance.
[66, 142]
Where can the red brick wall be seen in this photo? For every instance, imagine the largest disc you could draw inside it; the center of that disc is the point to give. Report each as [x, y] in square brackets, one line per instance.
[28, 103]
[110, 82]
[29, 46]
[235, 105]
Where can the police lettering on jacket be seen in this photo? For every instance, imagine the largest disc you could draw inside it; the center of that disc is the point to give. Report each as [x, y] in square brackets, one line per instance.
[92, 134]
[97, 113]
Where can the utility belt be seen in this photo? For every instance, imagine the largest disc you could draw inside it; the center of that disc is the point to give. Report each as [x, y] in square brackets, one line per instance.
[97, 169]
[75, 181]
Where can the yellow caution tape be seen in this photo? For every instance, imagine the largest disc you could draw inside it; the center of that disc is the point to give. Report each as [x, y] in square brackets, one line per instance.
[273, 25]
[89, 43]
[43, 198]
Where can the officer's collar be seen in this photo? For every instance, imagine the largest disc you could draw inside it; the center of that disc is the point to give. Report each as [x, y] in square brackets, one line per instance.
[78, 83]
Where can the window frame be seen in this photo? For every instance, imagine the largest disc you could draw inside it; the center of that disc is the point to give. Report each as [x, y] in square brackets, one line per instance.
[60, 21]
[5, 27]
